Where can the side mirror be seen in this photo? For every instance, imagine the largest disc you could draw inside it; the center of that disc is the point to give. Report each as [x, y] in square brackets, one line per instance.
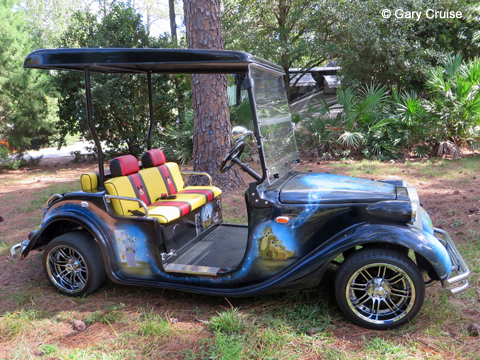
[239, 133]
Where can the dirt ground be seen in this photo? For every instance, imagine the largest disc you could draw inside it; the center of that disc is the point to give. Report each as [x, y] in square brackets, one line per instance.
[452, 200]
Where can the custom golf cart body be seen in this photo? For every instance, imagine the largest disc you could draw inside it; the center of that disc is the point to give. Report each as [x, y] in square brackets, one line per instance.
[298, 222]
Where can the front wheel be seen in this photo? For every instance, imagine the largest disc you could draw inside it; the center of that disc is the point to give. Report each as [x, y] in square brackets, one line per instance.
[73, 263]
[379, 289]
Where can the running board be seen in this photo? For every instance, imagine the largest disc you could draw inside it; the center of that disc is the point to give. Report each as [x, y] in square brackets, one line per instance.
[191, 269]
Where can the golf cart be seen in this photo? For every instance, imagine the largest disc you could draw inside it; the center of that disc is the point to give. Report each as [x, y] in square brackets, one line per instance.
[141, 225]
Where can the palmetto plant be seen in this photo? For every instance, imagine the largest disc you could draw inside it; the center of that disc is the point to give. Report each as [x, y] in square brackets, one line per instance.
[385, 126]
[413, 123]
[454, 104]
[364, 123]
[178, 140]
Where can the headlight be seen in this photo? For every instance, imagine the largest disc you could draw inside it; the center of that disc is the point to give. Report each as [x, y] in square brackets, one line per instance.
[393, 211]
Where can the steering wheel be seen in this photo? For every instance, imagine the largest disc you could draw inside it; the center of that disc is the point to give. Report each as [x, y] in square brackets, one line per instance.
[233, 155]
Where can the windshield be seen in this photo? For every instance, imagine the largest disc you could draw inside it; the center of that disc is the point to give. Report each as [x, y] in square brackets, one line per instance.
[275, 122]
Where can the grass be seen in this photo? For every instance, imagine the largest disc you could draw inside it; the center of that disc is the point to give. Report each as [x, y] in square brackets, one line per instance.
[44, 195]
[157, 325]
[110, 314]
[240, 336]
[17, 323]
[139, 322]
[384, 348]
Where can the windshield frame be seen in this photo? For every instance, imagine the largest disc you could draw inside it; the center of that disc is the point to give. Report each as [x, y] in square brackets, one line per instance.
[267, 176]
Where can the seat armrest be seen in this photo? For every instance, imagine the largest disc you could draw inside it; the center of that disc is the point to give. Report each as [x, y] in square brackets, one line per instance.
[197, 173]
[140, 202]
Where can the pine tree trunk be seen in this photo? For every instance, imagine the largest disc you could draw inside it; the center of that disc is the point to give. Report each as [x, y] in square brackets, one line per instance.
[173, 23]
[212, 131]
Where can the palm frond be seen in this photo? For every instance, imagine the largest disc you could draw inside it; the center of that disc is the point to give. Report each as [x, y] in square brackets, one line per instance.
[452, 65]
[351, 140]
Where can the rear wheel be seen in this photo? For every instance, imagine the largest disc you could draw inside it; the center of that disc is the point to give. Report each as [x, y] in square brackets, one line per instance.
[73, 263]
[379, 289]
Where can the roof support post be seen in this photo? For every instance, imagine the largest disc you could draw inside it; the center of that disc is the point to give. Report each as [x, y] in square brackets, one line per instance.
[150, 105]
[91, 128]
[249, 86]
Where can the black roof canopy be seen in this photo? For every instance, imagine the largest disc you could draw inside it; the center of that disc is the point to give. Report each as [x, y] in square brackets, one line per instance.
[123, 60]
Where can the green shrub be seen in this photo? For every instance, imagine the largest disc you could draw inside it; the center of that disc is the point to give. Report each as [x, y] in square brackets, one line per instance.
[386, 126]
[454, 102]
[19, 160]
[178, 139]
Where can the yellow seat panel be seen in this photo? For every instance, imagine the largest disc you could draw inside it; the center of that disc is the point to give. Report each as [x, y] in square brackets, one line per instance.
[89, 181]
[176, 176]
[172, 209]
[195, 200]
[121, 186]
[154, 183]
[216, 191]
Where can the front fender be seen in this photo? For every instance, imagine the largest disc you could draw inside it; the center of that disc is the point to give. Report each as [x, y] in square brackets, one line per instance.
[363, 234]
[409, 237]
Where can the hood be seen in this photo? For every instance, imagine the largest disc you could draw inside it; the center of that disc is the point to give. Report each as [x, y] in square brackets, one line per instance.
[308, 188]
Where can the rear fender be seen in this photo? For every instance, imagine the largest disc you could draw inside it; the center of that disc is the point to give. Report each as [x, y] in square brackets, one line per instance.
[71, 218]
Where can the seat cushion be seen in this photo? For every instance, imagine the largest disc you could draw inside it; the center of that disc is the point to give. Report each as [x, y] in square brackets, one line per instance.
[132, 186]
[154, 183]
[171, 209]
[169, 172]
[209, 192]
[165, 213]
[195, 200]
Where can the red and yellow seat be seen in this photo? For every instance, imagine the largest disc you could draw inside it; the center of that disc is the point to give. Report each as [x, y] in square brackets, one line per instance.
[159, 185]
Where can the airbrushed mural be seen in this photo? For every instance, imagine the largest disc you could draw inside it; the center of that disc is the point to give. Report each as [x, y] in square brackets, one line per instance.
[134, 257]
[207, 215]
[271, 247]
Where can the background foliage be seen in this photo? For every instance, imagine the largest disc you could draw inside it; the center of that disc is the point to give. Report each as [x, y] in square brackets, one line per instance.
[27, 99]
[387, 124]
[120, 101]
[409, 86]
[400, 52]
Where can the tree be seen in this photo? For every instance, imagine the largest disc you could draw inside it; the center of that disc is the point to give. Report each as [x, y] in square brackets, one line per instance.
[27, 104]
[173, 23]
[292, 33]
[152, 10]
[48, 18]
[212, 139]
[398, 51]
[120, 101]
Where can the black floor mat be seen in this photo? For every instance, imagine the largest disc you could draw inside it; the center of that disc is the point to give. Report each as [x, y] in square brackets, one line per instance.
[223, 248]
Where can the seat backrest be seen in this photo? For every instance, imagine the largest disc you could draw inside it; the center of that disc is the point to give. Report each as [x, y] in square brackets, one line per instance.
[124, 165]
[127, 182]
[169, 172]
[89, 181]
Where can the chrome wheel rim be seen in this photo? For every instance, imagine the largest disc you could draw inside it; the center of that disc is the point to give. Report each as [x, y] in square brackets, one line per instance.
[67, 269]
[380, 293]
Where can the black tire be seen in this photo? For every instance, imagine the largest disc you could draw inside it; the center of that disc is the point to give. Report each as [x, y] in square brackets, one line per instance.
[379, 289]
[73, 264]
